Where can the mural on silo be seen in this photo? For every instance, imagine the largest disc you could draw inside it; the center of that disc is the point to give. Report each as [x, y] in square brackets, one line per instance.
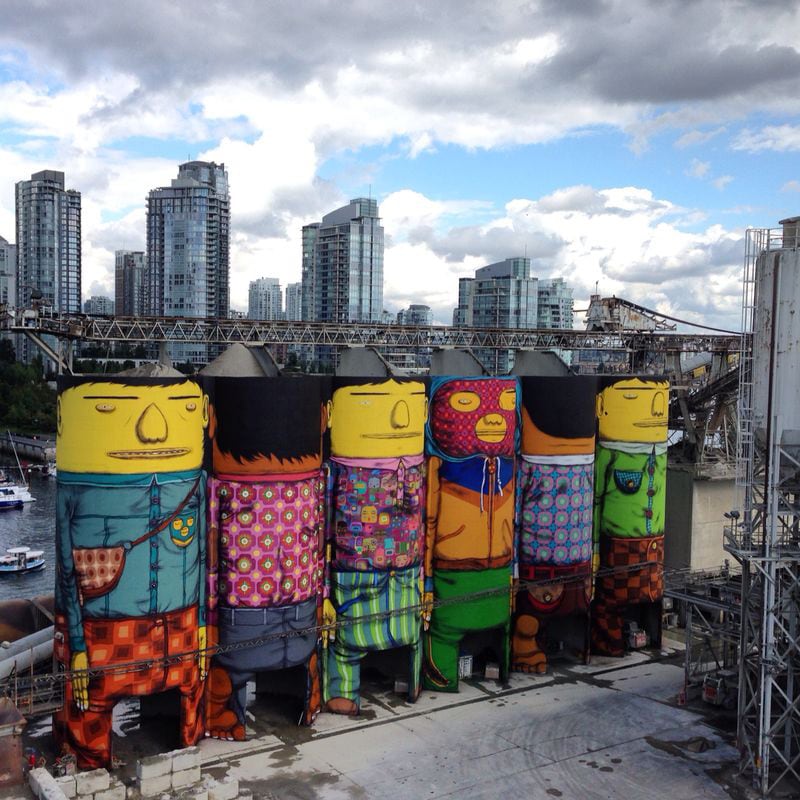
[630, 492]
[376, 501]
[131, 553]
[555, 479]
[471, 439]
[266, 539]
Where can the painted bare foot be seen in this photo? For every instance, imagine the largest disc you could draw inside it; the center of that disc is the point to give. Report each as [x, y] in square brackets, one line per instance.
[527, 656]
[341, 705]
[221, 722]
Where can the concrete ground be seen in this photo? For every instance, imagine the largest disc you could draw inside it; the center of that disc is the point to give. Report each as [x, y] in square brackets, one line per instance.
[609, 730]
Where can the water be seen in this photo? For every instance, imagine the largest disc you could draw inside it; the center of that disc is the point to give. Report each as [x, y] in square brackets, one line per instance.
[35, 527]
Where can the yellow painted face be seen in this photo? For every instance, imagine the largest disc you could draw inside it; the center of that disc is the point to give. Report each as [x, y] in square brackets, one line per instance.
[117, 428]
[379, 420]
[632, 410]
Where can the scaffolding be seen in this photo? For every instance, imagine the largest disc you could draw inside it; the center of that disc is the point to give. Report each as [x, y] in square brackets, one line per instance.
[765, 540]
[710, 606]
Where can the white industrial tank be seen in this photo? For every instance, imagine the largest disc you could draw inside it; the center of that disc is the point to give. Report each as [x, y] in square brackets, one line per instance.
[776, 341]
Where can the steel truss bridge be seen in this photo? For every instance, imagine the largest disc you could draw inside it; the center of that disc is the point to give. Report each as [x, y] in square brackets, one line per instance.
[69, 328]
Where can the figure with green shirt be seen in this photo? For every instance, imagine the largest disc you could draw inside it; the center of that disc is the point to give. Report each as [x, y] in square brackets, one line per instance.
[630, 491]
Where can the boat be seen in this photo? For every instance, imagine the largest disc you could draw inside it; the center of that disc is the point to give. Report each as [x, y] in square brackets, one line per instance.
[21, 559]
[10, 498]
[19, 491]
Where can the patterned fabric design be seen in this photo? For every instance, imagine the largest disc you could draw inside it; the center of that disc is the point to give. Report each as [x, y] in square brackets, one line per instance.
[631, 492]
[119, 642]
[638, 575]
[270, 550]
[555, 522]
[362, 594]
[569, 590]
[377, 516]
[607, 630]
[473, 416]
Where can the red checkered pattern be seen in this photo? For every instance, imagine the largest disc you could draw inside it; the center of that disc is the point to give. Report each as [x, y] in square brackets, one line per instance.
[122, 642]
[638, 577]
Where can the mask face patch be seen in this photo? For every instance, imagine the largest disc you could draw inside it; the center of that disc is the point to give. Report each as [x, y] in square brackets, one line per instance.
[472, 417]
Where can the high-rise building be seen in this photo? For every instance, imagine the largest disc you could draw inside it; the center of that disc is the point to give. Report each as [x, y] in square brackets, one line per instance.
[49, 242]
[501, 295]
[265, 299]
[415, 315]
[129, 272]
[188, 233]
[8, 273]
[554, 304]
[97, 304]
[343, 265]
[294, 301]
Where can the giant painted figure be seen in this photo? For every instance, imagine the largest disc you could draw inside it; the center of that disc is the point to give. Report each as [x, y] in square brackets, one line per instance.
[555, 499]
[266, 537]
[131, 553]
[630, 490]
[377, 490]
[471, 440]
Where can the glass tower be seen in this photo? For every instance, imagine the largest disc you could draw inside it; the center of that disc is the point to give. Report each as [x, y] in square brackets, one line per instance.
[8, 273]
[265, 299]
[188, 234]
[49, 242]
[129, 269]
[343, 265]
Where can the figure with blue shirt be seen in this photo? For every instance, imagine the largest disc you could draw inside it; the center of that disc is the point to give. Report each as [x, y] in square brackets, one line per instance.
[131, 553]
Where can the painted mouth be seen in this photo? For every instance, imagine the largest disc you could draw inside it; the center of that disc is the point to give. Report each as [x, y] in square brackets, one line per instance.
[662, 424]
[411, 435]
[490, 436]
[164, 452]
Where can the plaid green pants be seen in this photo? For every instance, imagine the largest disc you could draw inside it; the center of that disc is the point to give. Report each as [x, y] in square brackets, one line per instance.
[362, 594]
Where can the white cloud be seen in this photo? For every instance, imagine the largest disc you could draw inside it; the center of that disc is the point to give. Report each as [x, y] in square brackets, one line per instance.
[698, 169]
[782, 138]
[721, 182]
[630, 242]
[791, 186]
[697, 137]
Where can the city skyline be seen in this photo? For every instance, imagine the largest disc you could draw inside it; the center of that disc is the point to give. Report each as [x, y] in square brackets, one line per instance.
[624, 147]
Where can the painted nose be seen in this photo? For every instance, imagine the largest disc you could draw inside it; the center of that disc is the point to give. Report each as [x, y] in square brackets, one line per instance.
[151, 425]
[658, 406]
[400, 416]
[491, 428]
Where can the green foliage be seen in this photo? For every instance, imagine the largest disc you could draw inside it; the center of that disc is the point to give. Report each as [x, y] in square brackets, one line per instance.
[27, 403]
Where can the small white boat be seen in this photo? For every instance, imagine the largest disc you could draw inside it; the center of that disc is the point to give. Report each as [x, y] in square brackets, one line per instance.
[9, 489]
[11, 497]
[21, 559]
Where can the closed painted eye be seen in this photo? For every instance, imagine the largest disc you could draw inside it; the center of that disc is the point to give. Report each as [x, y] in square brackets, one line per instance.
[191, 406]
[105, 408]
[465, 401]
[508, 399]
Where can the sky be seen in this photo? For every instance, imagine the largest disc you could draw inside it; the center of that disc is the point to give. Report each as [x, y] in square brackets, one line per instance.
[623, 145]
